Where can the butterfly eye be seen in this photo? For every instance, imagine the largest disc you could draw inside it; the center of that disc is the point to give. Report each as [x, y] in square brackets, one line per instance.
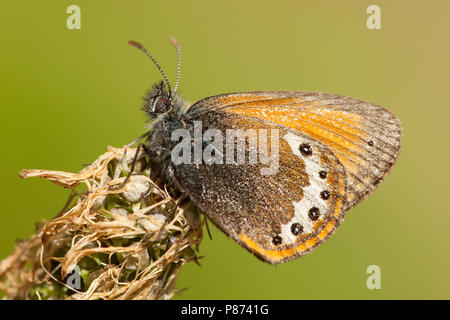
[161, 105]
[156, 100]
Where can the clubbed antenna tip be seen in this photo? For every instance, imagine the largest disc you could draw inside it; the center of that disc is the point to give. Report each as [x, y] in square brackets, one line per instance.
[174, 41]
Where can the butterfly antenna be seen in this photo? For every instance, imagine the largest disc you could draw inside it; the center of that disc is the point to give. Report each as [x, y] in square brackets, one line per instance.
[177, 47]
[142, 48]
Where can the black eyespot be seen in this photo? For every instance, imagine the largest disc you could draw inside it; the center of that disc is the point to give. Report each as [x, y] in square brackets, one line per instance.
[296, 229]
[325, 195]
[314, 213]
[305, 149]
[370, 143]
[277, 240]
[322, 174]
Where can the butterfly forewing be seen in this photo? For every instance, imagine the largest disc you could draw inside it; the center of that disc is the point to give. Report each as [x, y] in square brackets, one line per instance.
[363, 136]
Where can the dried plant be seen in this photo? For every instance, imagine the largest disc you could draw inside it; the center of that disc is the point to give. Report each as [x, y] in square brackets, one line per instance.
[112, 240]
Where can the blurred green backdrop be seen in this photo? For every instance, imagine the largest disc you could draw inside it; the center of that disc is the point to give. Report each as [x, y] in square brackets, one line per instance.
[67, 94]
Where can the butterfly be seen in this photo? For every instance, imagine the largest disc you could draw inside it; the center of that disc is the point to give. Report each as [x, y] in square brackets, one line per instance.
[332, 152]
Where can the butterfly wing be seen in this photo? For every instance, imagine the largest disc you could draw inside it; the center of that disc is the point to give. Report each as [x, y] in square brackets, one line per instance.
[333, 151]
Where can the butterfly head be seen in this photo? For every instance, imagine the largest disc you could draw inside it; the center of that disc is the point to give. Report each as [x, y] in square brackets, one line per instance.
[165, 109]
[157, 101]
[161, 101]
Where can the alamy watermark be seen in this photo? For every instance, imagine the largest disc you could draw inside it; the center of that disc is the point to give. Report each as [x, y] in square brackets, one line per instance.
[374, 280]
[239, 147]
[74, 279]
[373, 21]
[73, 21]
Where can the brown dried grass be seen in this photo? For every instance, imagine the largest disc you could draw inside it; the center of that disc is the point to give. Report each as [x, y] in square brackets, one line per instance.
[122, 243]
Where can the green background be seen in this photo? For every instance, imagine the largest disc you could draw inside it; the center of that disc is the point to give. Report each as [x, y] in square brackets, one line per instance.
[67, 94]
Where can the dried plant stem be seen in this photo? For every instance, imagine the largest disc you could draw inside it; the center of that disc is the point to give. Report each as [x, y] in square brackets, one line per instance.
[110, 241]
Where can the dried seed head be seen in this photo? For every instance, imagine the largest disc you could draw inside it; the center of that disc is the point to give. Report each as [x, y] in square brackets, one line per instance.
[136, 188]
